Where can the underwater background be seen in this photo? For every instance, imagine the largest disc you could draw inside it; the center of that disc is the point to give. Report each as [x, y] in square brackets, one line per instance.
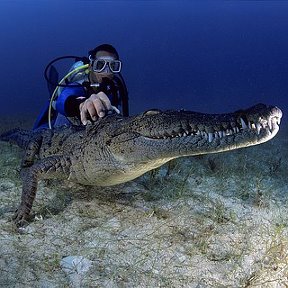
[208, 56]
[217, 220]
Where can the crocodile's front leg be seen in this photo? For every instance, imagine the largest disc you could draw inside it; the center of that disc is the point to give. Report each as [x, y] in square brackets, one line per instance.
[54, 166]
[31, 151]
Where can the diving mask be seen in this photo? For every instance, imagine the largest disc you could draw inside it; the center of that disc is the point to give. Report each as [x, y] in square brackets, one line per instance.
[99, 65]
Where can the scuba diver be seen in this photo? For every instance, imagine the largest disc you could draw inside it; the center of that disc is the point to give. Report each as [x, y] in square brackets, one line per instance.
[93, 87]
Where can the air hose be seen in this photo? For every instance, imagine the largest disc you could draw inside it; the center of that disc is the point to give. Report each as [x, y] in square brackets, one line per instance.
[54, 94]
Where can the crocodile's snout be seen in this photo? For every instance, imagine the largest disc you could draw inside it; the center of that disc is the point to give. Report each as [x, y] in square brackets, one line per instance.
[259, 118]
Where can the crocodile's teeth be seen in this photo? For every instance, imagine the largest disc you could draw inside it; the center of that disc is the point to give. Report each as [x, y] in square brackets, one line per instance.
[229, 132]
[243, 124]
[270, 123]
[258, 126]
[210, 137]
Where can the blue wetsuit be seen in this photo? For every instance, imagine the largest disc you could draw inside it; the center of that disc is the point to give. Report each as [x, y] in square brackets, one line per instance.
[67, 103]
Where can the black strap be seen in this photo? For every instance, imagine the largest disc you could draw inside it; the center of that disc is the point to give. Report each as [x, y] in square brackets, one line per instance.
[123, 94]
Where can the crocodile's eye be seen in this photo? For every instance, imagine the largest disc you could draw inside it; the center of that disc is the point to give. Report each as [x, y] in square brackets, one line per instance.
[152, 112]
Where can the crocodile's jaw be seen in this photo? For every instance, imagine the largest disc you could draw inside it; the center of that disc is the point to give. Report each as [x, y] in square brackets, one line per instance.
[140, 153]
[162, 151]
[190, 145]
[196, 145]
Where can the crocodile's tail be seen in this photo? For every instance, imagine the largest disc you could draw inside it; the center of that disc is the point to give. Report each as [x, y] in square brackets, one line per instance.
[17, 136]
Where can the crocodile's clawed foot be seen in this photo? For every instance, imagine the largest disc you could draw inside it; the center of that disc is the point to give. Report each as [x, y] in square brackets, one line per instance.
[21, 216]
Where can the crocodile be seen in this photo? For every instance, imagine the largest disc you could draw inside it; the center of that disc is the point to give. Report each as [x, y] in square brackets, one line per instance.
[116, 149]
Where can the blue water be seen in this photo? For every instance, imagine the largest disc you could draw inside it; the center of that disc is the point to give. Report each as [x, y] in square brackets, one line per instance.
[209, 56]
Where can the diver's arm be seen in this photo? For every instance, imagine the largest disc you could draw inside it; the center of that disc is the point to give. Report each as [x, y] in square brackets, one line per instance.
[97, 105]
[73, 101]
[69, 100]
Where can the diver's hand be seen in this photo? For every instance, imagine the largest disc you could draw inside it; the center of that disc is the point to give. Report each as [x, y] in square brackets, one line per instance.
[97, 105]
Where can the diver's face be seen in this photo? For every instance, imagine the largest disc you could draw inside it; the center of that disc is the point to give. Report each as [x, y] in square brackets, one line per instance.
[106, 73]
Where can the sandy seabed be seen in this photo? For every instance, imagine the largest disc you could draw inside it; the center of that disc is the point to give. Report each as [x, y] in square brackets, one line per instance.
[218, 220]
